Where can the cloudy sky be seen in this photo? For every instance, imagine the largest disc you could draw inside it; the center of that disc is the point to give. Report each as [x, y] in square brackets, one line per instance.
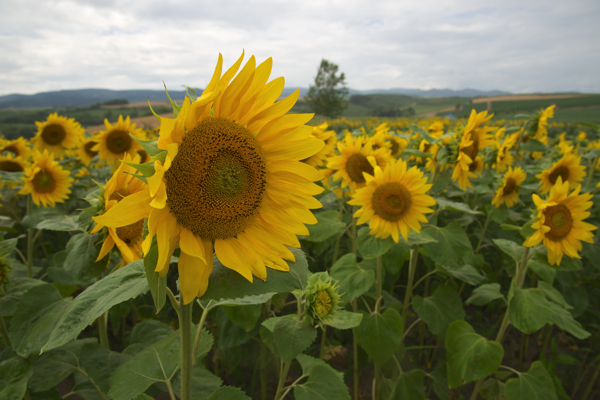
[518, 46]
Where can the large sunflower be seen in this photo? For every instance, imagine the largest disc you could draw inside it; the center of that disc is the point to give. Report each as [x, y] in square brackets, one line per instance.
[560, 222]
[231, 178]
[18, 148]
[509, 191]
[8, 163]
[114, 142]
[393, 201]
[127, 238]
[85, 152]
[57, 134]
[46, 181]
[474, 138]
[569, 168]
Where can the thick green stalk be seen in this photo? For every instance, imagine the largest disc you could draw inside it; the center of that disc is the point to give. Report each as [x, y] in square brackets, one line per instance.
[4, 331]
[29, 241]
[487, 222]
[355, 373]
[185, 332]
[379, 285]
[414, 255]
[590, 385]
[285, 368]
[198, 333]
[322, 351]
[103, 330]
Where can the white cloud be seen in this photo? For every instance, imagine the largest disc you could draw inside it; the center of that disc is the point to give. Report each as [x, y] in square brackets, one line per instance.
[514, 45]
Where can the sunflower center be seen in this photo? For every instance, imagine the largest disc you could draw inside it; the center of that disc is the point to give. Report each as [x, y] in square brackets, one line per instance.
[10, 166]
[356, 165]
[395, 147]
[560, 221]
[11, 149]
[118, 141]
[473, 148]
[561, 171]
[88, 149]
[323, 303]
[44, 182]
[54, 134]
[510, 186]
[474, 166]
[391, 201]
[216, 183]
[144, 157]
[131, 233]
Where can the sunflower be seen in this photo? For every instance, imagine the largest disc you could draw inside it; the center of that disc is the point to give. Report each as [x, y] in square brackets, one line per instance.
[231, 180]
[320, 132]
[393, 201]
[18, 148]
[509, 191]
[560, 223]
[569, 168]
[354, 160]
[127, 238]
[8, 163]
[397, 144]
[85, 152]
[539, 128]
[474, 138]
[57, 135]
[115, 141]
[504, 158]
[46, 181]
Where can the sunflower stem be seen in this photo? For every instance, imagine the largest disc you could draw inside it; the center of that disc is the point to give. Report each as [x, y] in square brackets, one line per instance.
[103, 331]
[185, 331]
[4, 331]
[355, 357]
[199, 333]
[379, 285]
[285, 368]
[414, 255]
[29, 241]
[323, 340]
[485, 226]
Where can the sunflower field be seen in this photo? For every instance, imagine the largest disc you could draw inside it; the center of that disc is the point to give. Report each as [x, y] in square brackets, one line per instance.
[240, 252]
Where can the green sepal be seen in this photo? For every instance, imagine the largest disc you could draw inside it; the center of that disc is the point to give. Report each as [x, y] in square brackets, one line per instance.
[149, 146]
[155, 114]
[147, 169]
[140, 177]
[176, 108]
[160, 157]
[192, 95]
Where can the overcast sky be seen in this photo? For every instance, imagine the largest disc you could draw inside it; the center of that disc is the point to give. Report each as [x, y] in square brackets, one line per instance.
[518, 46]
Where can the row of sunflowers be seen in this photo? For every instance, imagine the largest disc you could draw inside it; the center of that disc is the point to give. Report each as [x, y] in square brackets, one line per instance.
[443, 259]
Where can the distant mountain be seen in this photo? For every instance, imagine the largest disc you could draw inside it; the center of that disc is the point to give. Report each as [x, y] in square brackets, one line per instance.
[87, 97]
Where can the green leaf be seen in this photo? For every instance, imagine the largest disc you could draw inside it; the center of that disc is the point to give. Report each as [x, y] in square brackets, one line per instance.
[123, 284]
[228, 284]
[353, 278]
[466, 273]
[66, 223]
[484, 294]
[440, 309]
[380, 334]
[13, 177]
[323, 383]
[492, 389]
[370, 246]
[245, 317]
[149, 146]
[7, 246]
[228, 393]
[146, 333]
[470, 356]
[244, 301]
[498, 214]
[514, 250]
[14, 292]
[445, 204]
[147, 169]
[535, 384]
[14, 374]
[37, 312]
[308, 363]
[204, 383]
[529, 310]
[292, 337]
[157, 363]
[344, 320]
[418, 238]
[543, 270]
[533, 145]
[328, 224]
[553, 294]
[143, 396]
[98, 363]
[157, 284]
[410, 386]
[53, 367]
[565, 321]
[451, 247]
[82, 254]
[394, 259]
[230, 335]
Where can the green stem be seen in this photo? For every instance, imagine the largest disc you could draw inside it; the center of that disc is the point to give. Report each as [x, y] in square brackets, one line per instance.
[476, 390]
[379, 285]
[185, 332]
[354, 245]
[29, 241]
[355, 373]
[590, 385]
[414, 255]
[170, 388]
[546, 341]
[323, 340]
[4, 331]
[485, 226]
[198, 333]
[336, 250]
[285, 368]
[103, 330]
[174, 302]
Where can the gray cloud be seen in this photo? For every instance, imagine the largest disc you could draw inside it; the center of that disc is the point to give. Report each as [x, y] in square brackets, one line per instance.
[514, 45]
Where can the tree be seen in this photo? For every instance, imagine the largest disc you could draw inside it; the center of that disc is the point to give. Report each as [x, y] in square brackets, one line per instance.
[328, 96]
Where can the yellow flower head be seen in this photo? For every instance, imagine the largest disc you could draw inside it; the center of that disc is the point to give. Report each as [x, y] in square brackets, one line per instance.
[46, 181]
[569, 168]
[354, 159]
[540, 124]
[231, 180]
[8, 163]
[505, 157]
[18, 148]
[560, 222]
[127, 238]
[85, 152]
[321, 133]
[115, 141]
[509, 191]
[57, 135]
[393, 201]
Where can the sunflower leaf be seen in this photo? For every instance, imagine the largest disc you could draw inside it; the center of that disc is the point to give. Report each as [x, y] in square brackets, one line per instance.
[535, 384]
[147, 168]
[149, 146]
[14, 374]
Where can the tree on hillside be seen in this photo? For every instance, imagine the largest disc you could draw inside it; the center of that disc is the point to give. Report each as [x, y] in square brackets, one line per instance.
[328, 95]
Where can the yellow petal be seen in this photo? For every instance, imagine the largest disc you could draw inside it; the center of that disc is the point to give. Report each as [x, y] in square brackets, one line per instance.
[128, 211]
